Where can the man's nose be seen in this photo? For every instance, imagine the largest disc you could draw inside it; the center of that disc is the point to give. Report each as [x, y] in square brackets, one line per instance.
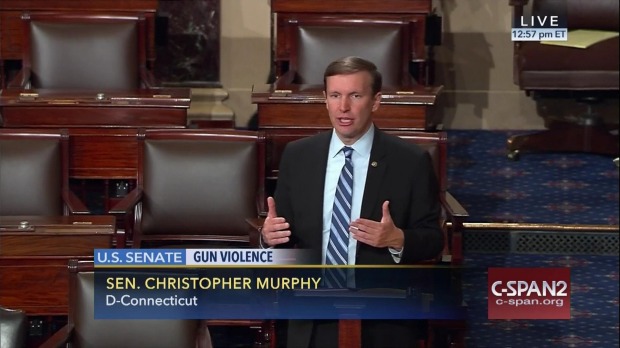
[345, 104]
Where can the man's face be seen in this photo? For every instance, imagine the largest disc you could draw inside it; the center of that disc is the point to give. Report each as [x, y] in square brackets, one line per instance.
[350, 104]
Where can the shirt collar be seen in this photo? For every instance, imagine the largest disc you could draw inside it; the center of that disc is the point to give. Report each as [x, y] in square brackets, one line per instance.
[362, 146]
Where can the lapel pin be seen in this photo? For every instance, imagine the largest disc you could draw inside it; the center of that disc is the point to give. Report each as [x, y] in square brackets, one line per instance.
[374, 164]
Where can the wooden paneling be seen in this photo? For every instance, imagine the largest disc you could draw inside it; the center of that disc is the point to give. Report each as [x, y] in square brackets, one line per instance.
[103, 153]
[408, 109]
[46, 280]
[33, 261]
[352, 6]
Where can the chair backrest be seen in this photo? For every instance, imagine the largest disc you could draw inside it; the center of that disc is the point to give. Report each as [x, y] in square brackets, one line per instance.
[90, 332]
[315, 42]
[84, 51]
[591, 14]
[33, 171]
[13, 328]
[318, 46]
[539, 67]
[436, 144]
[199, 184]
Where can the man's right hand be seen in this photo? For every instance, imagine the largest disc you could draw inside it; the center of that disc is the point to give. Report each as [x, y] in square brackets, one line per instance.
[275, 229]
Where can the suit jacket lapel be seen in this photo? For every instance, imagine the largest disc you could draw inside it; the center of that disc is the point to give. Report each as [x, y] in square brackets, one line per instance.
[377, 166]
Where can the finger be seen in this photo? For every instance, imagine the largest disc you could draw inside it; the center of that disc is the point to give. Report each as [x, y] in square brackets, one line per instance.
[272, 221]
[279, 234]
[277, 241]
[366, 225]
[387, 217]
[362, 237]
[278, 227]
[271, 207]
[278, 237]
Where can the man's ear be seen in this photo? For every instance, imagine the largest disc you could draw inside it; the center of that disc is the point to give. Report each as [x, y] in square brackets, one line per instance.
[325, 96]
[376, 102]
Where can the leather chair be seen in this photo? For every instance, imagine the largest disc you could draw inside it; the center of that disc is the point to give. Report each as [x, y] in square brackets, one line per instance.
[34, 174]
[453, 213]
[587, 75]
[444, 333]
[196, 188]
[314, 42]
[13, 328]
[83, 330]
[78, 51]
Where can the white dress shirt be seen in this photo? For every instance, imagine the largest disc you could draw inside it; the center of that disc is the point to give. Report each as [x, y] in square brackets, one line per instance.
[335, 162]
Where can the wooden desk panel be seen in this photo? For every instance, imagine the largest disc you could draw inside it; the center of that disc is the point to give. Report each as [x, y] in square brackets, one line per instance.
[103, 153]
[315, 116]
[302, 106]
[360, 6]
[161, 107]
[45, 280]
[33, 261]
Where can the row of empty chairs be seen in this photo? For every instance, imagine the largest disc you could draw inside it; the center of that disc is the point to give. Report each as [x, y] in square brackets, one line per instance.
[193, 185]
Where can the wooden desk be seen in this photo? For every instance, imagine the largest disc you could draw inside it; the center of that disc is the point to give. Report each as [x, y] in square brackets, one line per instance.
[102, 131]
[33, 261]
[303, 106]
[157, 107]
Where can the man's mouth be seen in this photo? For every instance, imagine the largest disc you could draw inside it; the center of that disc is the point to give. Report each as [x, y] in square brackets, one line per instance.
[345, 121]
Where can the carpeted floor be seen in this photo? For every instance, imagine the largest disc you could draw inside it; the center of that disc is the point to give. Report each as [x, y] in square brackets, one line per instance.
[539, 188]
[594, 304]
[559, 188]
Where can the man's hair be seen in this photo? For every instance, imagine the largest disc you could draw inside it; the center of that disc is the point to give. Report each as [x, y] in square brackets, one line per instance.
[351, 65]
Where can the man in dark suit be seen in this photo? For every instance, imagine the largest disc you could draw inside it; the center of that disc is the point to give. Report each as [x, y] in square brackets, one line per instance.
[355, 195]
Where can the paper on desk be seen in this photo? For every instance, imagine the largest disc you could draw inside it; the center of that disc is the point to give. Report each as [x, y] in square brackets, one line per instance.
[583, 38]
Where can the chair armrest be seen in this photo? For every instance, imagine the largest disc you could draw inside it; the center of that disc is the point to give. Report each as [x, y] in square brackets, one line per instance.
[518, 2]
[517, 10]
[256, 223]
[255, 226]
[455, 215]
[286, 80]
[73, 203]
[128, 203]
[21, 80]
[203, 336]
[453, 207]
[59, 338]
[147, 79]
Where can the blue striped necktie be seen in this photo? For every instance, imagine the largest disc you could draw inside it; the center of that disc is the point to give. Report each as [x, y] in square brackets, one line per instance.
[338, 246]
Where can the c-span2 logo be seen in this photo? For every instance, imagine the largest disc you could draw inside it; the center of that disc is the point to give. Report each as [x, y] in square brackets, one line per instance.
[529, 293]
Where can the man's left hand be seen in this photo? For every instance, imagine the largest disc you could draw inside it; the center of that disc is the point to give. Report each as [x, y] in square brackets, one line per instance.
[378, 234]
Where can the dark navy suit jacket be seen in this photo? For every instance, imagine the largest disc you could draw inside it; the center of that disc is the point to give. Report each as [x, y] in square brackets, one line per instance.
[398, 171]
